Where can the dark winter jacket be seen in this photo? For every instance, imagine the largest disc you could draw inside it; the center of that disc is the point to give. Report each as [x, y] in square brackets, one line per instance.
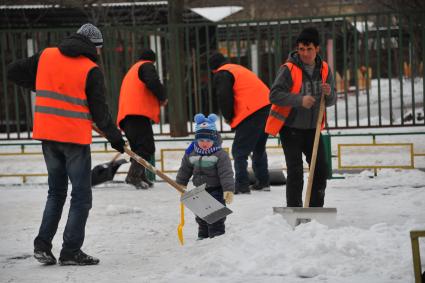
[24, 71]
[148, 75]
[223, 87]
[213, 170]
[300, 117]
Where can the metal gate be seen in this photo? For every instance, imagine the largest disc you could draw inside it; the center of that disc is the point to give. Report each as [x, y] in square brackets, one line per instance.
[376, 59]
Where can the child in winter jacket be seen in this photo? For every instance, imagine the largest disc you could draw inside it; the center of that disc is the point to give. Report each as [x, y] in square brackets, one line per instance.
[209, 164]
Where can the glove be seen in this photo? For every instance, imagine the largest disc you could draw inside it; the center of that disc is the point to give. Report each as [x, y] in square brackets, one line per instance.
[116, 140]
[228, 197]
[118, 145]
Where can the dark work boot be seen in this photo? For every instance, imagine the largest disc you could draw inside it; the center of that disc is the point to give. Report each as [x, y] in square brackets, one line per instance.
[134, 176]
[242, 190]
[44, 256]
[145, 178]
[43, 252]
[78, 258]
[260, 187]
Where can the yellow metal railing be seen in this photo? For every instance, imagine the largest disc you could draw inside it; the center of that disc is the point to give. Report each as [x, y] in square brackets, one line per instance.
[163, 160]
[414, 237]
[409, 146]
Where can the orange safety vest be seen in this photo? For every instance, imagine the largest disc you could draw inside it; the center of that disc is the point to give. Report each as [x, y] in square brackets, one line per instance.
[136, 98]
[278, 114]
[250, 93]
[61, 110]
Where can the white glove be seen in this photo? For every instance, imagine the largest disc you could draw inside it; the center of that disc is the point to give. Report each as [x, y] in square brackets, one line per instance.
[228, 197]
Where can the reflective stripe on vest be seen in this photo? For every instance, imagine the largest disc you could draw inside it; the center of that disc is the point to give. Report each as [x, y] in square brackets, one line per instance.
[278, 114]
[136, 98]
[61, 108]
[250, 93]
[61, 112]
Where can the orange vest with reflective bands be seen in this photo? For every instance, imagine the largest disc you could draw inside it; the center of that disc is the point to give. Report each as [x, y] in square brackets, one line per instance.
[61, 109]
[278, 114]
[250, 93]
[136, 98]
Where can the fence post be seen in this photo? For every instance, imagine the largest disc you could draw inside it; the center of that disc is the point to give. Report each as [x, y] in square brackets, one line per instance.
[414, 237]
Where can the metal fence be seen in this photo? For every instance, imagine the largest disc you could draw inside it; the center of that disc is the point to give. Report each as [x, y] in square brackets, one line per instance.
[376, 59]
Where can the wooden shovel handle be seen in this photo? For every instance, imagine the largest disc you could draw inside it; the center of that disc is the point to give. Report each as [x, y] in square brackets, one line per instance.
[314, 153]
[115, 157]
[146, 164]
[149, 166]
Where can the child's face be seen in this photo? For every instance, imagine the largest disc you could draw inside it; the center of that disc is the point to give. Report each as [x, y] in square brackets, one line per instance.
[205, 143]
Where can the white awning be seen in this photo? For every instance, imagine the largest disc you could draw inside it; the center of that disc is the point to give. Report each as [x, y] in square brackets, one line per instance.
[216, 14]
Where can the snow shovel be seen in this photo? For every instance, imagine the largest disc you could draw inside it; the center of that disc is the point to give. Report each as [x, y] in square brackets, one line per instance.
[297, 215]
[198, 200]
[105, 172]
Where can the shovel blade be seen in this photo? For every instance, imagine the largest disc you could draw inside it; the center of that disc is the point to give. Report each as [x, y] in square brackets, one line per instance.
[105, 172]
[203, 205]
[298, 215]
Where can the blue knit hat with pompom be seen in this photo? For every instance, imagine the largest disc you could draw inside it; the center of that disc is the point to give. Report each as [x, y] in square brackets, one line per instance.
[205, 127]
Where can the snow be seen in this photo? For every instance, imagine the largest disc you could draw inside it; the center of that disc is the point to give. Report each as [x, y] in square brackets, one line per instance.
[134, 232]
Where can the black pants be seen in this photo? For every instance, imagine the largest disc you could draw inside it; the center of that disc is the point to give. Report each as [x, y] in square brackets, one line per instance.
[138, 130]
[206, 230]
[250, 137]
[296, 142]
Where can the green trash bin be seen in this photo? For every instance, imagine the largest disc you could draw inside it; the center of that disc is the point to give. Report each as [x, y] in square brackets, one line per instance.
[326, 139]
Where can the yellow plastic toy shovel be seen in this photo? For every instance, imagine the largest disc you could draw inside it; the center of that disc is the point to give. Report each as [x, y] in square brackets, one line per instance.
[181, 224]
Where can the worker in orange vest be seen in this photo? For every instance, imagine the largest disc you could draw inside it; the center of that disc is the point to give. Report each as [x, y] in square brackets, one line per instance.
[69, 98]
[141, 96]
[244, 103]
[295, 95]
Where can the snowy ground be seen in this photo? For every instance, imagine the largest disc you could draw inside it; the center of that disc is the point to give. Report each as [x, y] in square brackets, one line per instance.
[134, 235]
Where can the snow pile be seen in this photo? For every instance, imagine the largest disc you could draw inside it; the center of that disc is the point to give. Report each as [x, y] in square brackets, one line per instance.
[270, 248]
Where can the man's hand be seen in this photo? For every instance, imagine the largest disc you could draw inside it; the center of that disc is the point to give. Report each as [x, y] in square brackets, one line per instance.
[164, 102]
[118, 144]
[308, 101]
[326, 89]
[228, 197]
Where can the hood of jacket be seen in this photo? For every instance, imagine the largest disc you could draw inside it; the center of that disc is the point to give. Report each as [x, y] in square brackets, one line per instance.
[294, 58]
[78, 45]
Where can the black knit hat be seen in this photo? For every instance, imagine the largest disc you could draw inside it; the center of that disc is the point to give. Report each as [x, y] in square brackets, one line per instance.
[216, 60]
[92, 33]
[148, 54]
[309, 35]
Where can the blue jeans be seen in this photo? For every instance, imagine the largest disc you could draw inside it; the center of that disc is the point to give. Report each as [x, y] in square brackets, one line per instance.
[65, 160]
[250, 137]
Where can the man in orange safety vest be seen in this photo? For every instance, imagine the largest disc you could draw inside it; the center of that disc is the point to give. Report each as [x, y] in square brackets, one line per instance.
[295, 97]
[244, 103]
[69, 98]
